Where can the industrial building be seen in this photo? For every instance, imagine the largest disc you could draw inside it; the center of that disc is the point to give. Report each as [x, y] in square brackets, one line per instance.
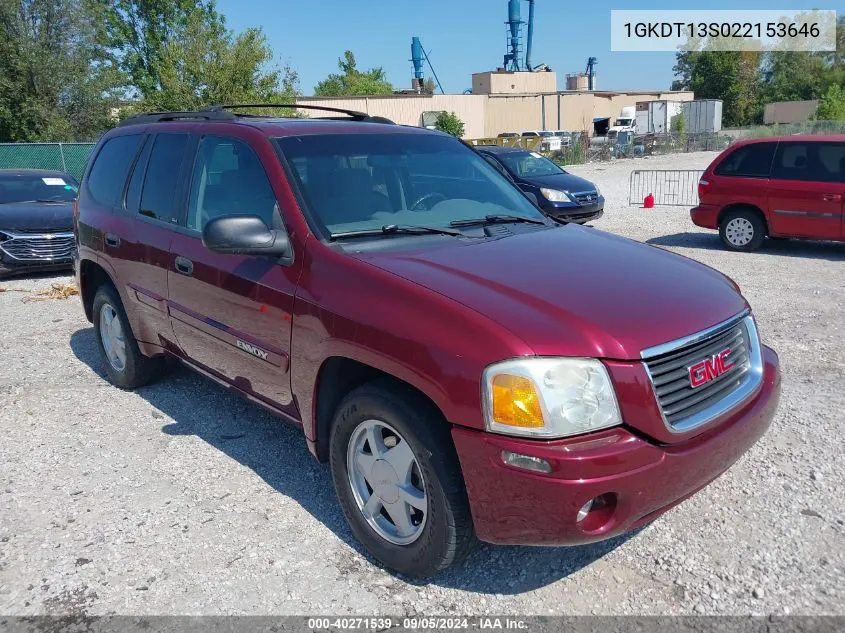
[513, 98]
[488, 115]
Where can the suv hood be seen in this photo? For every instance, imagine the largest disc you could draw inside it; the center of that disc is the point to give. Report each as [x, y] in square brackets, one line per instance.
[36, 216]
[574, 291]
[564, 182]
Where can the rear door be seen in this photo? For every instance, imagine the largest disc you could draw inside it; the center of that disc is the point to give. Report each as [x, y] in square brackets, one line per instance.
[150, 211]
[807, 189]
[232, 313]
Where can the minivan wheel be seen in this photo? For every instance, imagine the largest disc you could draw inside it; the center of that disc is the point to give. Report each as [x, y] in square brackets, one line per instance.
[126, 366]
[742, 230]
[398, 481]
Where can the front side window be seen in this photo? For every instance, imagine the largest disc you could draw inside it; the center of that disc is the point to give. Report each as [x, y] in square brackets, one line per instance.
[228, 179]
[355, 182]
[753, 161]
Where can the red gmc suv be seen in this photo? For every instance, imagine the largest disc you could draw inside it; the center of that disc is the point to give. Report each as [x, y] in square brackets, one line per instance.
[469, 368]
[789, 186]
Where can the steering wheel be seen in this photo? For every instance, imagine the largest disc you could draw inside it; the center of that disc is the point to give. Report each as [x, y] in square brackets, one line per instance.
[429, 196]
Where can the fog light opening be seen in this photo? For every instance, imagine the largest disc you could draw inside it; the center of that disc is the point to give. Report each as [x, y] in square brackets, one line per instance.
[526, 462]
[596, 513]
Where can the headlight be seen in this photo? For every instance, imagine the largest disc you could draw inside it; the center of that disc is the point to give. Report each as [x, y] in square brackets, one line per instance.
[598, 192]
[555, 196]
[549, 397]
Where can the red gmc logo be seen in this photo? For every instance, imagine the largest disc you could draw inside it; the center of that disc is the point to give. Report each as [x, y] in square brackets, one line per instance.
[710, 368]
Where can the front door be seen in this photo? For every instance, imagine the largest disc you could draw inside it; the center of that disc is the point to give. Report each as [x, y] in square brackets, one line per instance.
[232, 313]
[807, 189]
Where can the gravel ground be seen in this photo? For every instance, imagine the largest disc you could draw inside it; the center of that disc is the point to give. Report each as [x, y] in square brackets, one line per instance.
[184, 499]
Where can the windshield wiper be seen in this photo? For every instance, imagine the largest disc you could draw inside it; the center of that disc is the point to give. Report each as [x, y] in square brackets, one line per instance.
[496, 219]
[42, 201]
[395, 229]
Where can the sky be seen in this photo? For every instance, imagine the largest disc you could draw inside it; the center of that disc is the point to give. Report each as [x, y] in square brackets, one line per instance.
[462, 36]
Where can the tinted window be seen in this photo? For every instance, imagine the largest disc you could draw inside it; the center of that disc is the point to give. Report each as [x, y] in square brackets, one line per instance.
[111, 166]
[25, 187]
[228, 179]
[133, 192]
[529, 164]
[366, 181]
[753, 160]
[158, 199]
[810, 162]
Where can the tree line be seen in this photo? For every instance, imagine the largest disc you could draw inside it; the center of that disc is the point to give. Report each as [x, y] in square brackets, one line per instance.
[70, 69]
[747, 80]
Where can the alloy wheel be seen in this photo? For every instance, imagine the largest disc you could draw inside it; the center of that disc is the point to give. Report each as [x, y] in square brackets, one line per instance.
[387, 482]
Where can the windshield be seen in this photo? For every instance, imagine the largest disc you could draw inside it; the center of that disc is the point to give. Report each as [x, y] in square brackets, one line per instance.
[623, 122]
[529, 164]
[37, 187]
[547, 134]
[358, 182]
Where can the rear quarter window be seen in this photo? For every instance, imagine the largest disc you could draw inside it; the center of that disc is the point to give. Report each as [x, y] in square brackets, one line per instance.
[750, 161]
[108, 173]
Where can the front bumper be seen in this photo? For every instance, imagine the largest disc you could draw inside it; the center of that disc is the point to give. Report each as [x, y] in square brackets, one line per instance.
[576, 213]
[29, 252]
[644, 479]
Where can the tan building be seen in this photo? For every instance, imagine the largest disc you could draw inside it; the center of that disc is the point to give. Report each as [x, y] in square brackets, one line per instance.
[488, 115]
[789, 111]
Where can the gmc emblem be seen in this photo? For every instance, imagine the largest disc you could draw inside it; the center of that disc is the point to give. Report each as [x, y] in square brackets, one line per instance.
[710, 368]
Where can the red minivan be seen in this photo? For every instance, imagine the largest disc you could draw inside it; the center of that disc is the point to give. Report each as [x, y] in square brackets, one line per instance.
[468, 367]
[780, 187]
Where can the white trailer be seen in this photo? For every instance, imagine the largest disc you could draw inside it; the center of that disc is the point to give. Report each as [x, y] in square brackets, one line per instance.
[703, 116]
[655, 117]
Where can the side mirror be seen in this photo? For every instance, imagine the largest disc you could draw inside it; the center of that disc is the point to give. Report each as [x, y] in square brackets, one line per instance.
[244, 235]
[533, 198]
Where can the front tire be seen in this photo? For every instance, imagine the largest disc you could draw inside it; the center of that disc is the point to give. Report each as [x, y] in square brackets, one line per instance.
[398, 481]
[126, 366]
[742, 230]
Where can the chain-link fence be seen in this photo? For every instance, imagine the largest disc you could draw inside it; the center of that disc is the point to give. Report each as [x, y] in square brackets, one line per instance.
[67, 157]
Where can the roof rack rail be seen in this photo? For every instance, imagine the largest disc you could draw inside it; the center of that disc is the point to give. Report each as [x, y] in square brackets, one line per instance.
[155, 117]
[354, 114]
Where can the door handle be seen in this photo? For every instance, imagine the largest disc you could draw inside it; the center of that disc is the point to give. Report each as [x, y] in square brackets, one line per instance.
[184, 265]
[112, 240]
[832, 197]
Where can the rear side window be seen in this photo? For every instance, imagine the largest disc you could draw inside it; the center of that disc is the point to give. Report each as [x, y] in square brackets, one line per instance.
[111, 167]
[752, 161]
[133, 191]
[810, 162]
[158, 199]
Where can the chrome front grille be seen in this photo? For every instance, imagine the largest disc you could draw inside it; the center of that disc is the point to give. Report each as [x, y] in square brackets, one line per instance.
[586, 197]
[38, 247]
[697, 379]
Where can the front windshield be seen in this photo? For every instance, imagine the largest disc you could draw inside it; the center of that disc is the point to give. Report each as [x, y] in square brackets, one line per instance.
[529, 164]
[547, 134]
[359, 182]
[21, 187]
[623, 122]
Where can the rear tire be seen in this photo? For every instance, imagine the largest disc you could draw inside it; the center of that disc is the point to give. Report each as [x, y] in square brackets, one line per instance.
[125, 365]
[418, 537]
[742, 230]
